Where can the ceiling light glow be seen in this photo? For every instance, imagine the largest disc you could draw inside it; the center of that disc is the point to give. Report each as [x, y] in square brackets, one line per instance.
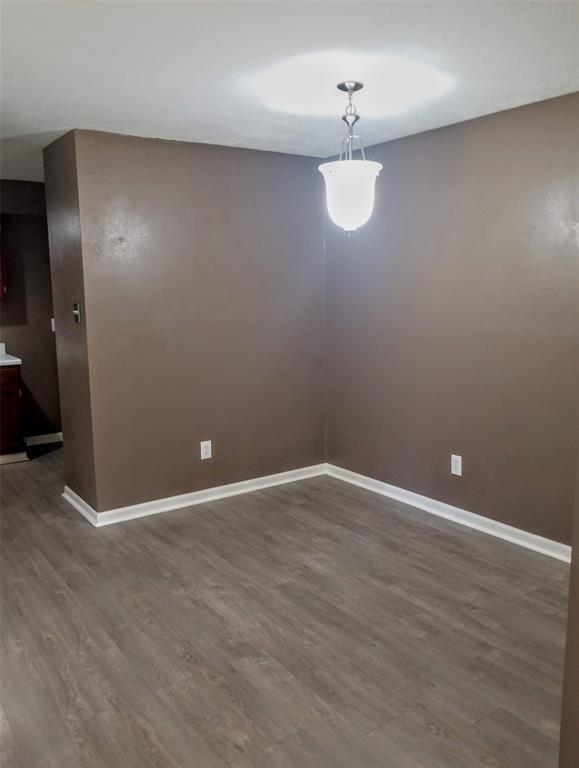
[305, 84]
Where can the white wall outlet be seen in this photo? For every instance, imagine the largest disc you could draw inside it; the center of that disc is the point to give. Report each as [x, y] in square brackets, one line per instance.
[456, 465]
[206, 451]
[52, 325]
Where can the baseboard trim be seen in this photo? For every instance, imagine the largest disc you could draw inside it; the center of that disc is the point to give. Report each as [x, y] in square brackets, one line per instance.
[13, 458]
[81, 505]
[53, 437]
[122, 514]
[426, 504]
[455, 514]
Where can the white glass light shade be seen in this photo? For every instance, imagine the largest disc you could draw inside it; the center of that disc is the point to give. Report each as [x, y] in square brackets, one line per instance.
[350, 191]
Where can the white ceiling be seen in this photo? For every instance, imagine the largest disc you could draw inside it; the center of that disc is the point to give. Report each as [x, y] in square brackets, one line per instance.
[263, 75]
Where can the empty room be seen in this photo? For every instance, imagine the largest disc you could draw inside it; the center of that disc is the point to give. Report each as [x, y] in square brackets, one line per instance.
[289, 367]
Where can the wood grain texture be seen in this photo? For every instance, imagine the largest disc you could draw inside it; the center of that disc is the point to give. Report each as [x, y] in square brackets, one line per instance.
[310, 625]
[569, 751]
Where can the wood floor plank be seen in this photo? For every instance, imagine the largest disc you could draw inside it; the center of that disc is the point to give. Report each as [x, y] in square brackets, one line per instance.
[304, 626]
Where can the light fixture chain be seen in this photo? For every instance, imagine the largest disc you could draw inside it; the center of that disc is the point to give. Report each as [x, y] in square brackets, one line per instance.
[350, 117]
[351, 108]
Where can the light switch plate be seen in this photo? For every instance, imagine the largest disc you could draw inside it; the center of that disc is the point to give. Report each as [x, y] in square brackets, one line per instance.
[206, 450]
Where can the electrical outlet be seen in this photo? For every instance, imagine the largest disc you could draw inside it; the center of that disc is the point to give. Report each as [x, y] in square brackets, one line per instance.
[456, 465]
[206, 451]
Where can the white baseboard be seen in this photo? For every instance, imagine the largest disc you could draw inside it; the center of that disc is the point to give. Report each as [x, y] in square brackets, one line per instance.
[53, 437]
[13, 458]
[439, 508]
[81, 505]
[457, 515]
[121, 514]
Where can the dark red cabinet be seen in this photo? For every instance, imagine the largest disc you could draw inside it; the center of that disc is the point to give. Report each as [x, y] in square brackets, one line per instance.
[11, 434]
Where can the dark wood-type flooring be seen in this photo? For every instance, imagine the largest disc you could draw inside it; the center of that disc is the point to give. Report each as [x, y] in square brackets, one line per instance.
[311, 625]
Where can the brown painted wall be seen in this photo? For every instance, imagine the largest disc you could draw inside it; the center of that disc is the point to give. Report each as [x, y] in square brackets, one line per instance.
[453, 318]
[27, 307]
[569, 751]
[71, 339]
[203, 273]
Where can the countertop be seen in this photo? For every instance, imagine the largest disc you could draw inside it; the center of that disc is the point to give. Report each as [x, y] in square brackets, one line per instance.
[6, 359]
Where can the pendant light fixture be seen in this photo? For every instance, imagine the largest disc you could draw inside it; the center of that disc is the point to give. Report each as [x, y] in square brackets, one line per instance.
[350, 182]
